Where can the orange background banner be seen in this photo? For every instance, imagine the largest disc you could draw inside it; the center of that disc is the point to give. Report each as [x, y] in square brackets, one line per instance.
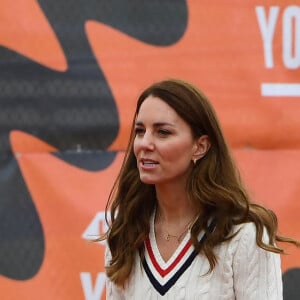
[246, 59]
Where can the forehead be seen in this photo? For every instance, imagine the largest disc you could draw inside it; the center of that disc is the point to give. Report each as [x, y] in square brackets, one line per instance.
[154, 108]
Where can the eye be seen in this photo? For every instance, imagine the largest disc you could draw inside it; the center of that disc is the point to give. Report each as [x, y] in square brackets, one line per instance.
[139, 130]
[163, 132]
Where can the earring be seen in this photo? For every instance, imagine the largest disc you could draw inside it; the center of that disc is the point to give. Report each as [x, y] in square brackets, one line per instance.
[194, 161]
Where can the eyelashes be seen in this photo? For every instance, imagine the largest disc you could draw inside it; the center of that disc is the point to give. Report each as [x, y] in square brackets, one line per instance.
[164, 132]
[140, 131]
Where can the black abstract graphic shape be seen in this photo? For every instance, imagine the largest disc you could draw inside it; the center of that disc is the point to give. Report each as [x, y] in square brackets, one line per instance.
[21, 236]
[291, 284]
[70, 110]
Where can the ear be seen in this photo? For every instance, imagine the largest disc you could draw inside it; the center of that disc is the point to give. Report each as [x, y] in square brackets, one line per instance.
[201, 146]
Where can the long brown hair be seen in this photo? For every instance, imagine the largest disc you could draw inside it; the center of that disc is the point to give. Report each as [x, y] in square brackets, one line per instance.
[214, 185]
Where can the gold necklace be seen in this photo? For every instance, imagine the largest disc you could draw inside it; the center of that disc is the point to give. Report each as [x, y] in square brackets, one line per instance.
[168, 236]
[188, 226]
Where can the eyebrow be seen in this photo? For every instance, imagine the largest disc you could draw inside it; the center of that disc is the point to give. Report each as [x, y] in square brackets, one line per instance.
[156, 124]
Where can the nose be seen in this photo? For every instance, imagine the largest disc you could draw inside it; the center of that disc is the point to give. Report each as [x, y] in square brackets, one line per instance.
[146, 141]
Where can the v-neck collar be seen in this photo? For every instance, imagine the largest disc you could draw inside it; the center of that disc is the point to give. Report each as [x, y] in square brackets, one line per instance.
[182, 247]
[163, 275]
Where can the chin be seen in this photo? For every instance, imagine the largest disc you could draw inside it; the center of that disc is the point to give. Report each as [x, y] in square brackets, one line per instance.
[147, 180]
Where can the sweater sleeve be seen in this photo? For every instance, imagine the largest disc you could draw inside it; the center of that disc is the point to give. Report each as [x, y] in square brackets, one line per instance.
[113, 292]
[257, 272]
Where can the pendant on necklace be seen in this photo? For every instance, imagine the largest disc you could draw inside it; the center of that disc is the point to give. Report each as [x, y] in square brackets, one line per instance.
[168, 237]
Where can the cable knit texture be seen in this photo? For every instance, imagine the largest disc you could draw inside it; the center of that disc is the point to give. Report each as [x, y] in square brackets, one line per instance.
[244, 272]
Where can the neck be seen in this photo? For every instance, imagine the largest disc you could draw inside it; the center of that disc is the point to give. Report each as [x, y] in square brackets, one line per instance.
[173, 205]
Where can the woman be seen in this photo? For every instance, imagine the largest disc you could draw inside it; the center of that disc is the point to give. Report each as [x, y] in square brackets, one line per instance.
[182, 225]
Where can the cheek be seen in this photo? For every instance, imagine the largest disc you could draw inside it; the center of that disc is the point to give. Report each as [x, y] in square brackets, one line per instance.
[135, 147]
[177, 152]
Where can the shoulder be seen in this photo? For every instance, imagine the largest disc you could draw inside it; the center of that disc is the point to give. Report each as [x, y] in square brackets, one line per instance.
[245, 228]
[244, 243]
[244, 238]
[248, 231]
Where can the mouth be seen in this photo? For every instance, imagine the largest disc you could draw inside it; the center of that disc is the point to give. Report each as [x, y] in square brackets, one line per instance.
[148, 162]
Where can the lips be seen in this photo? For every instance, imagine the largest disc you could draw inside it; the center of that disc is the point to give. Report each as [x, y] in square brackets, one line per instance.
[148, 162]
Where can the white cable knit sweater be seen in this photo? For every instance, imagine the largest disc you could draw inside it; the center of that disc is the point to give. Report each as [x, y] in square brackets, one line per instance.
[244, 272]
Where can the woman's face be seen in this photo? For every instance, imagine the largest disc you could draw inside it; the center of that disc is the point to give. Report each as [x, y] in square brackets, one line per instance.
[163, 145]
